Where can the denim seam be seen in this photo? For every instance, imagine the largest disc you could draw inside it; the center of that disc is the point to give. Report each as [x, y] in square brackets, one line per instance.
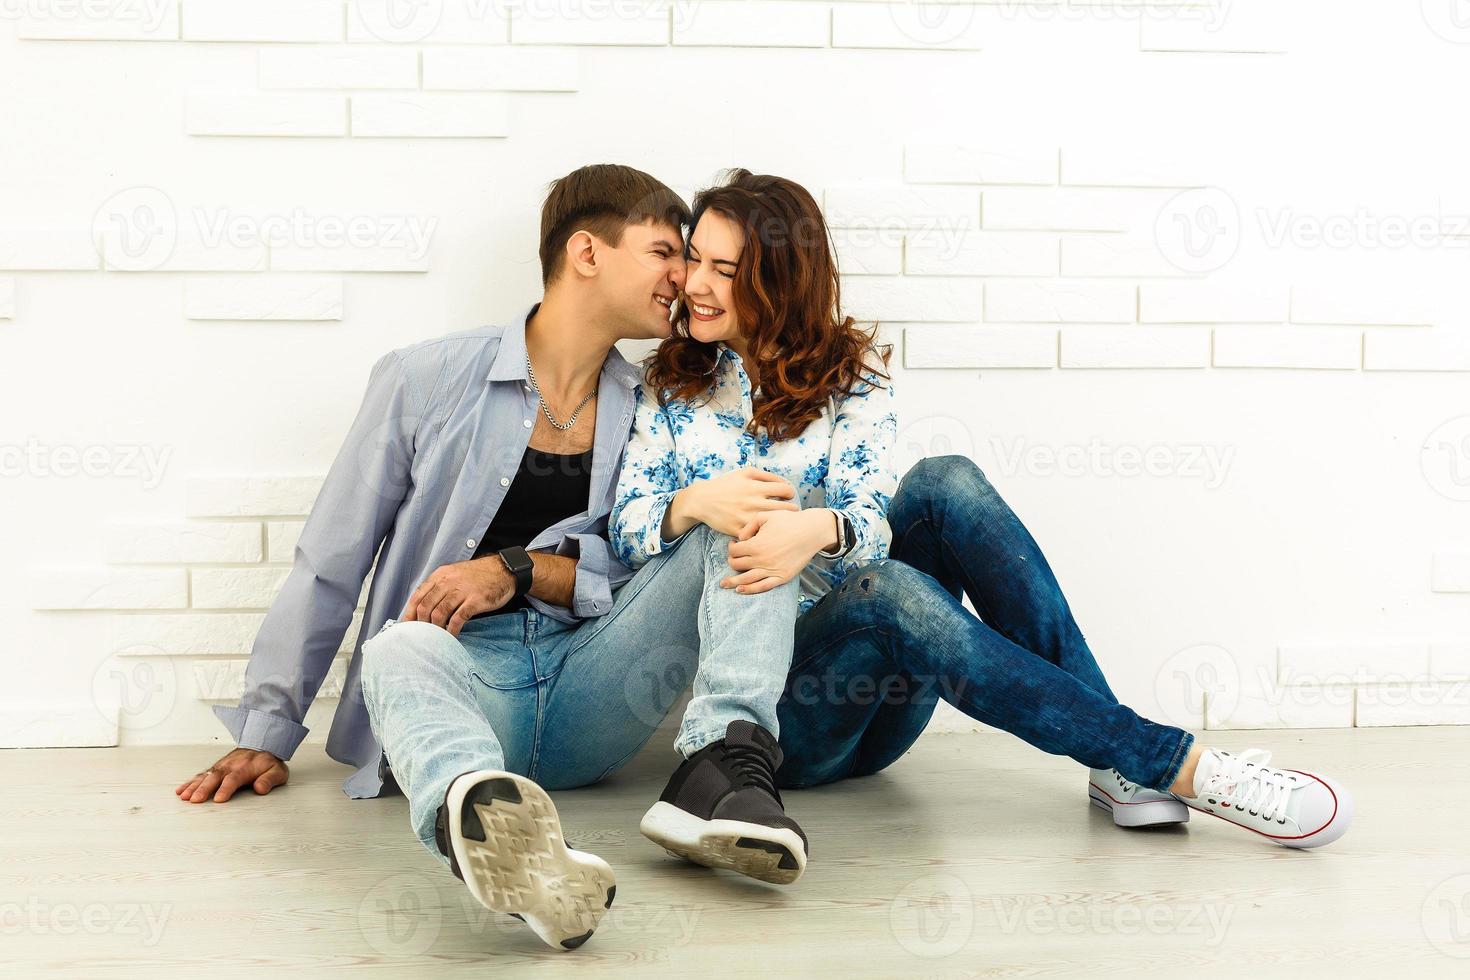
[1176, 762]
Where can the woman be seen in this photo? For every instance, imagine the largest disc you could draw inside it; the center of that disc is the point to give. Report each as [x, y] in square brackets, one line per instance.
[761, 282]
[764, 429]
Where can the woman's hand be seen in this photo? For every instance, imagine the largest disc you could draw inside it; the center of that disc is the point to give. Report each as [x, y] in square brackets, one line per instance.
[728, 502]
[775, 546]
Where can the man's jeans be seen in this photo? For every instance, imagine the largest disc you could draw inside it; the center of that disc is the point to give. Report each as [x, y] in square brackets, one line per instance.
[875, 654]
[568, 705]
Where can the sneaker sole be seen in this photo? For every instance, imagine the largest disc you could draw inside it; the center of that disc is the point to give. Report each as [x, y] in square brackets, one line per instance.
[772, 854]
[507, 840]
[1151, 813]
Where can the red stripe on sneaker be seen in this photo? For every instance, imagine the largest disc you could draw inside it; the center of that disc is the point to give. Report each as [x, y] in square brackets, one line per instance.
[1278, 836]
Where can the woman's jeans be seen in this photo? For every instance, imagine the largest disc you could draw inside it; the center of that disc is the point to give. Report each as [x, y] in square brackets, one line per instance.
[569, 704]
[875, 654]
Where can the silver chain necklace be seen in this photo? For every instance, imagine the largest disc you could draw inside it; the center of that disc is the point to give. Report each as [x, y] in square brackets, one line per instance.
[546, 411]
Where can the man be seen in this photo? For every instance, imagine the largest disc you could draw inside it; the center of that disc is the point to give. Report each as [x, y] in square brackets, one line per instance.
[484, 464]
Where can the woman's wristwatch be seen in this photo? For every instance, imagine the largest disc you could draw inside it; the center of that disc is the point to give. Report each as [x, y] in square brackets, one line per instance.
[846, 537]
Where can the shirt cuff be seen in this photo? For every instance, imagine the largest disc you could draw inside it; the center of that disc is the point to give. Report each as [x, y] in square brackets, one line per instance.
[261, 730]
[591, 591]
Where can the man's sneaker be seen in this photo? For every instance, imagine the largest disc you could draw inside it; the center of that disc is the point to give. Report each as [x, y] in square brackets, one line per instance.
[721, 809]
[1133, 805]
[503, 840]
[1286, 806]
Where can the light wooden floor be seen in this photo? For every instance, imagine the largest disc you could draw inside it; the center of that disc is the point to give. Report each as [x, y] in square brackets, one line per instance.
[974, 855]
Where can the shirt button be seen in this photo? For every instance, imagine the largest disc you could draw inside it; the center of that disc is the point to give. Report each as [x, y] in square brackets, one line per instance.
[469, 543]
[526, 423]
[504, 481]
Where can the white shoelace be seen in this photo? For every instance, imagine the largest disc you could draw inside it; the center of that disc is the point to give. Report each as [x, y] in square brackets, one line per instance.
[1246, 783]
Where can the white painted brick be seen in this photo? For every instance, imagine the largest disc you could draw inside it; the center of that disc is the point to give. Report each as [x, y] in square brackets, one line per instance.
[924, 27]
[263, 20]
[1282, 707]
[184, 633]
[47, 249]
[1426, 703]
[235, 588]
[1368, 304]
[1135, 347]
[1424, 349]
[338, 68]
[281, 538]
[752, 23]
[108, 588]
[904, 298]
[1351, 661]
[181, 541]
[196, 633]
[184, 248]
[250, 496]
[248, 114]
[224, 680]
[7, 298]
[980, 346]
[400, 256]
[505, 69]
[883, 206]
[449, 22]
[1244, 26]
[263, 298]
[1120, 165]
[1133, 255]
[1074, 208]
[868, 251]
[950, 163]
[1451, 571]
[1059, 301]
[156, 20]
[1276, 346]
[980, 253]
[1449, 660]
[622, 22]
[452, 115]
[59, 724]
[1207, 302]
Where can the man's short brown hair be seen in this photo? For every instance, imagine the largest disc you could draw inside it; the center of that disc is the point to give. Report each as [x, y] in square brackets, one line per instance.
[603, 198]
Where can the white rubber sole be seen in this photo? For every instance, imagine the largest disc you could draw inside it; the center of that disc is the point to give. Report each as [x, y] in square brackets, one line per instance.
[773, 854]
[1151, 813]
[508, 844]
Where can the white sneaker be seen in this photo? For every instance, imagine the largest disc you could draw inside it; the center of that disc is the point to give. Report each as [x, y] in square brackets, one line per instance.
[1133, 805]
[1286, 806]
[504, 842]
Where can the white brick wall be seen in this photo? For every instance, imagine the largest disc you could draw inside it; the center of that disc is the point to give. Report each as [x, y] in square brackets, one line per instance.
[1079, 245]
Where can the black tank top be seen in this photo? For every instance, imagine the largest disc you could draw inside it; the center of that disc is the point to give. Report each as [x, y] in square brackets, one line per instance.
[547, 488]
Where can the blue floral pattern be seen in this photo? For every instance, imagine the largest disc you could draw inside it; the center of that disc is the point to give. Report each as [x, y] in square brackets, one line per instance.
[843, 460]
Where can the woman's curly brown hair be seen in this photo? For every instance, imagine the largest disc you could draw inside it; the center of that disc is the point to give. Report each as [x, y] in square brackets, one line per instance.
[788, 303]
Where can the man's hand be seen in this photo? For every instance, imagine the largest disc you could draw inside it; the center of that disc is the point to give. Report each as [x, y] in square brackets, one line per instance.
[453, 593]
[774, 546]
[241, 767]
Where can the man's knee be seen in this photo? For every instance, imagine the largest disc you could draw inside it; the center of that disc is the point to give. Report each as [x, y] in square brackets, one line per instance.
[393, 647]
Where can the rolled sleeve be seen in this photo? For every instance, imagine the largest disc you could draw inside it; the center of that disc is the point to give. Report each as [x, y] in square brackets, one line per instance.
[598, 573]
[261, 730]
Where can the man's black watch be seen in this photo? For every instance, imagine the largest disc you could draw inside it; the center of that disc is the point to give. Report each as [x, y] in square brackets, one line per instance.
[520, 566]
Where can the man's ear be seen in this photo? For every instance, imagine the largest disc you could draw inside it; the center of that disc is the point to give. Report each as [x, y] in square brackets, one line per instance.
[582, 253]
